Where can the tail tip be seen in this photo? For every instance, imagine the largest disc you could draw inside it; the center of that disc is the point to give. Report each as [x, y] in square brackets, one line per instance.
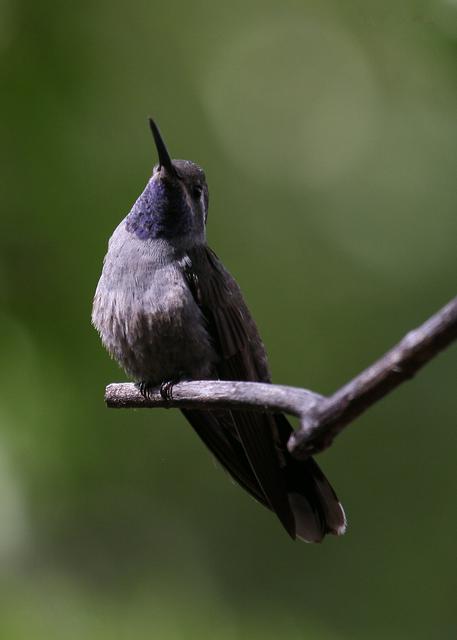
[341, 528]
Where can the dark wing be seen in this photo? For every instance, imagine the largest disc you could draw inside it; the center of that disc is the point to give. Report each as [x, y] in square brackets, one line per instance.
[245, 442]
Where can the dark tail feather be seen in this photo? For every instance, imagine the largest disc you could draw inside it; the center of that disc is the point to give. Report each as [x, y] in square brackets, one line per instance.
[315, 506]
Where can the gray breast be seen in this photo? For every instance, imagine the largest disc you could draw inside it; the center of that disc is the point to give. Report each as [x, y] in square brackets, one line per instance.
[146, 315]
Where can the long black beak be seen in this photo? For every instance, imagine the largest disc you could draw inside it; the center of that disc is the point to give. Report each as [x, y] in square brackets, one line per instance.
[164, 157]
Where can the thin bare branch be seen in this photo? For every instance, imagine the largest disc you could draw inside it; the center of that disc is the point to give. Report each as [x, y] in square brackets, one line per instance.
[320, 425]
[216, 394]
[321, 418]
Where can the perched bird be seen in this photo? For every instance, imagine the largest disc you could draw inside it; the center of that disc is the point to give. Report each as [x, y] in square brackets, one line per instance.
[166, 309]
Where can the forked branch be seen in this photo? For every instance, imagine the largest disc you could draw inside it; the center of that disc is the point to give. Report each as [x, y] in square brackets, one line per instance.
[321, 418]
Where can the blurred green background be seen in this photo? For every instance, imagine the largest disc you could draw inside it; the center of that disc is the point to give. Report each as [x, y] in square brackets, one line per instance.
[328, 133]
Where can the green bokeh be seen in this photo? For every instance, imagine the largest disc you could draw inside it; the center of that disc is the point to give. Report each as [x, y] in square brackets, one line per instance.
[328, 134]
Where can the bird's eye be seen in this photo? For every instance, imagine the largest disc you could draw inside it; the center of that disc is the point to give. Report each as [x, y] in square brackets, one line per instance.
[197, 191]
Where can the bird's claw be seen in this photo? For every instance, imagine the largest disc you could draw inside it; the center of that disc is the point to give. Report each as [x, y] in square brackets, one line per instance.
[166, 389]
[144, 388]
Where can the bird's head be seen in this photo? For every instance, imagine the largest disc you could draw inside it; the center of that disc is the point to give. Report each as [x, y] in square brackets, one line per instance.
[174, 204]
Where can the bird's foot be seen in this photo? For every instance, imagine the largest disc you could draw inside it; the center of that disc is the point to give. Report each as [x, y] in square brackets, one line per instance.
[145, 388]
[166, 389]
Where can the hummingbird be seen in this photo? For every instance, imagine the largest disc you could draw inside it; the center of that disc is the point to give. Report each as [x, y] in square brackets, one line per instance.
[167, 310]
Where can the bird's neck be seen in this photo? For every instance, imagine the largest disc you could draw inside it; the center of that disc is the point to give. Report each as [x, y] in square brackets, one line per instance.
[159, 213]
